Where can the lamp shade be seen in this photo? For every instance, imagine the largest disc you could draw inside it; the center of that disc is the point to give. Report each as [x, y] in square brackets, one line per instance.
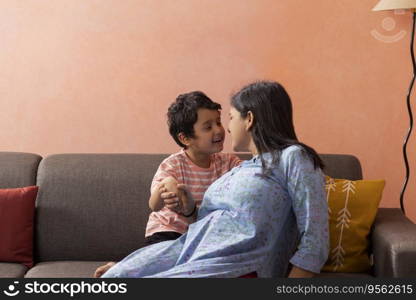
[395, 4]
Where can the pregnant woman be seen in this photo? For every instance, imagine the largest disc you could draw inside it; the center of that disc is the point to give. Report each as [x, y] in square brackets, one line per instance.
[267, 216]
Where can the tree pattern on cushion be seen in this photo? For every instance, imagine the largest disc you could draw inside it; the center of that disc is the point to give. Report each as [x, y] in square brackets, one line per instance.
[330, 186]
[343, 220]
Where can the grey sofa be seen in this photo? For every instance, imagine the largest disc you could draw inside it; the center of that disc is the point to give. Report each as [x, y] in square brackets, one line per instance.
[92, 208]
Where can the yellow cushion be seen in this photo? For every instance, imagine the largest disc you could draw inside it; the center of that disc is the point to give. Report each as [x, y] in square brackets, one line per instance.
[352, 208]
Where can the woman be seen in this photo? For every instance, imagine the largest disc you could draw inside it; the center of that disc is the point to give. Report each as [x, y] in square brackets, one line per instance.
[253, 217]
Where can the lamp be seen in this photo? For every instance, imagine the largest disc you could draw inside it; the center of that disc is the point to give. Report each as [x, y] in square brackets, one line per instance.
[395, 4]
[404, 4]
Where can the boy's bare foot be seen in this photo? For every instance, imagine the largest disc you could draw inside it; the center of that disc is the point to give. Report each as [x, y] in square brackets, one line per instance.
[101, 270]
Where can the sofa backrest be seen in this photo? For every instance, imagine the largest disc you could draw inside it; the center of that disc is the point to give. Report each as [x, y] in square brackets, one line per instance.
[336, 165]
[95, 206]
[342, 166]
[18, 169]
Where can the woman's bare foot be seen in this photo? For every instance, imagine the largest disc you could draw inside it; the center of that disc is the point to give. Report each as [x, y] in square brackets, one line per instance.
[101, 270]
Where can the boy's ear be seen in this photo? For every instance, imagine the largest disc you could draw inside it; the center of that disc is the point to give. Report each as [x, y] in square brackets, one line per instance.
[183, 139]
[249, 120]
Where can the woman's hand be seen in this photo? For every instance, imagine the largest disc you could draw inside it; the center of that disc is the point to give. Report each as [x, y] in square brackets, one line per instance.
[300, 273]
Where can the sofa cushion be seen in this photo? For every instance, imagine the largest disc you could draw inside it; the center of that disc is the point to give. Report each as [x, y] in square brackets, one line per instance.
[12, 270]
[17, 212]
[352, 208]
[64, 269]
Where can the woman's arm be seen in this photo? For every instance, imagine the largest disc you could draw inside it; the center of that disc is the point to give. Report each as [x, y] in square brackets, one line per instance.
[307, 192]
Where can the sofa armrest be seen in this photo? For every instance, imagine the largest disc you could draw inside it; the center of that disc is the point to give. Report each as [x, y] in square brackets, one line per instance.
[393, 244]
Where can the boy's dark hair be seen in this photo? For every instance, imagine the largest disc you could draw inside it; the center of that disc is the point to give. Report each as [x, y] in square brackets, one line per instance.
[273, 127]
[183, 113]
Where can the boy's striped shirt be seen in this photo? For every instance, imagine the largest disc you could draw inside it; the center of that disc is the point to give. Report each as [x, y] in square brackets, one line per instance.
[196, 179]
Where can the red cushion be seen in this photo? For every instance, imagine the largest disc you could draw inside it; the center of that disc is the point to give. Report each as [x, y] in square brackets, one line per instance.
[250, 275]
[17, 212]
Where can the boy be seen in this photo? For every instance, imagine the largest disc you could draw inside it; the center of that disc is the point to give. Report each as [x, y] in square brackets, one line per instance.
[194, 122]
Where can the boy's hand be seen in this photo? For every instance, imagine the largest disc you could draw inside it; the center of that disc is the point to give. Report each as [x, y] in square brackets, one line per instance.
[168, 184]
[176, 197]
[181, 202]
[169, 181]
[169, 194]
[170, 200]
[187, 202]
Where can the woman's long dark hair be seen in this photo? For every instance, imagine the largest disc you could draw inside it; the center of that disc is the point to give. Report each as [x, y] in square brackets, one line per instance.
[273, 127]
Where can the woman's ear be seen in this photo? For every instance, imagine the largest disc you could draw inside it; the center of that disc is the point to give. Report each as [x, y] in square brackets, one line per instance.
[249, 120]
[183, 139]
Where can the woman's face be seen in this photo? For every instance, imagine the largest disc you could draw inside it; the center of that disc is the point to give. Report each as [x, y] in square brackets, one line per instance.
[237, 127]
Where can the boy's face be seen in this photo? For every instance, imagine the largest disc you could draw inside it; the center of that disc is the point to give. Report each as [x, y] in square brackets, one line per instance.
[209, 133]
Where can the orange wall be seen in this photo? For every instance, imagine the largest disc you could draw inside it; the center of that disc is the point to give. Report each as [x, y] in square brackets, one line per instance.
[98, 75]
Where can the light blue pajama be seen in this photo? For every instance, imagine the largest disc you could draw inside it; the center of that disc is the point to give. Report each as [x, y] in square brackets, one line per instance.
[247, 223]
